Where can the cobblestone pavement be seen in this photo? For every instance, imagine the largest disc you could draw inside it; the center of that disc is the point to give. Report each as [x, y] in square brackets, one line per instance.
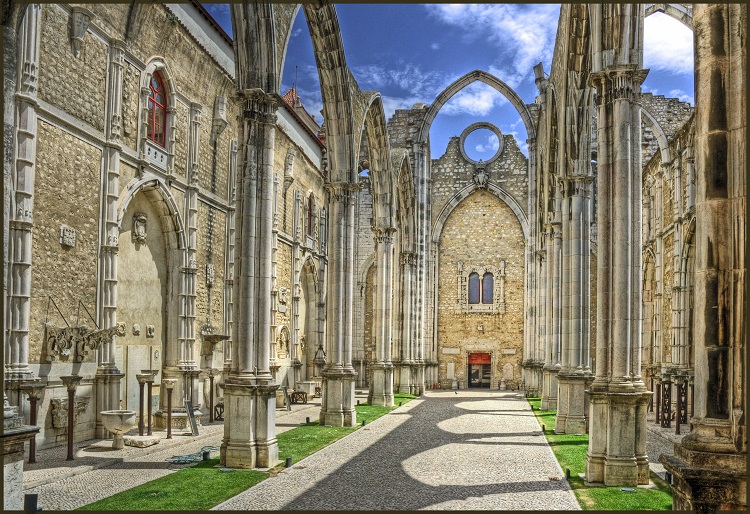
[98, 471]
[661, 441]
[447, 450]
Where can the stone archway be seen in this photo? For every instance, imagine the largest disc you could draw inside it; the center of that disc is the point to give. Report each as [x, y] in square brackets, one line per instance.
[151, 249]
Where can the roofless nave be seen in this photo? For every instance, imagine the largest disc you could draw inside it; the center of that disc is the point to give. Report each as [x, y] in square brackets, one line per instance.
[215, 234]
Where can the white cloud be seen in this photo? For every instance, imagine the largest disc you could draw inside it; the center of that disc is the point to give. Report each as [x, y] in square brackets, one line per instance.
[667, 45]
[435, 46]
[522, 35]
[647, 89]
[681, 96]
[296, 32]
[476, 99]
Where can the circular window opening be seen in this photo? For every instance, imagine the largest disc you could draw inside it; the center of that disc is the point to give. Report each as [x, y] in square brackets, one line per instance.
[481, 142]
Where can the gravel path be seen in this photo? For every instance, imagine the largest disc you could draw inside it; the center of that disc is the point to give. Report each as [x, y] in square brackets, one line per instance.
[446, 450]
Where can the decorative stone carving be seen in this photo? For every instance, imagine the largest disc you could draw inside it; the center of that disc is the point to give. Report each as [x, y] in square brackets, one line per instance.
[220, 118]
[210, 275]
[77, 343]
[60, 410]
[67, 236]
[481, 178]
[136, 329]
[289, 169]
[139, 227]
[282, 342]
[79, 24]
[150, 331]
[120, 328]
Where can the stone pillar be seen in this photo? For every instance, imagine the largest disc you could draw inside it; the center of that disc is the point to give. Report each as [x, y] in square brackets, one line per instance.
[617, 444]
[549, 385]
[249, 389]
[381, 385]
[407, 384]
[22, 204]
[337, 406]
[229, 274]
[709, 466]
[566, 322]
[107, 375]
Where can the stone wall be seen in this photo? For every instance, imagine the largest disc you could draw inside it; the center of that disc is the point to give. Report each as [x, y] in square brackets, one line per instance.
[480, 231]
[66, 193]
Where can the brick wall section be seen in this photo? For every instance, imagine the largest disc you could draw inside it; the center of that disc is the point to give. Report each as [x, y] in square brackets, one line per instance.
[481, 231]
[670, 113]
[67, 168]
[77, 86]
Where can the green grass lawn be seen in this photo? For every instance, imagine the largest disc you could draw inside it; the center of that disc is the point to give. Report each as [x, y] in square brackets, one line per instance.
[203, 486]
[196, 488]
[570, 451]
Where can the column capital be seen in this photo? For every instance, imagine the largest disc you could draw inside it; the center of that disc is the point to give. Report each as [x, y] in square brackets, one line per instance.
[341, 191]
[258, 105]
[383, 234]
[620, 82]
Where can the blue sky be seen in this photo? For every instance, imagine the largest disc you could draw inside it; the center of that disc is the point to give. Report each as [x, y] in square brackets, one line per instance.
[411, 52]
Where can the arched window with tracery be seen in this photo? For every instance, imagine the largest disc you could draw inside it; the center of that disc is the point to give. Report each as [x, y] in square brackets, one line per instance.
[474, 288]
[157, 112]
[488, 284]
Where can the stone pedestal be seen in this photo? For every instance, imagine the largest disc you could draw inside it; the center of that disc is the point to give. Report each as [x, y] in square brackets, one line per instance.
[108, 381]
[406, 374]
[180, 419]
[706, 481]
[14, 435]
[563, 399]
[381, 389]
[575, 420]
[249, 426]
[617, 449]
[337, 408]
[549, 389]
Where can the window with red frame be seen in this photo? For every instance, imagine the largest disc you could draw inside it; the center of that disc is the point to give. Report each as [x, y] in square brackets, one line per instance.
[157, 112]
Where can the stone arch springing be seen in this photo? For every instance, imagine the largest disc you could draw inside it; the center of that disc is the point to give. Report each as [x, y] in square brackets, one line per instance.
[461, 83]
[465, 193]
[406, 199]
[379, 163]
[661, 137]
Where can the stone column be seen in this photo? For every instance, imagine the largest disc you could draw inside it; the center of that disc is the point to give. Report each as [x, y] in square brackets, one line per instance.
[12, 439]
[22, 201]
[337, 406]
[381, 384]
[249, 389]
[566, 321]
[408, 368]
[617, 444]
[229, 274]
[709, 466]
[549, 387]
[107, 375]
[573, 377]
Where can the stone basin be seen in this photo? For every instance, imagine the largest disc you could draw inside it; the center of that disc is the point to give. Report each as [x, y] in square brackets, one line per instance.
[118, 422]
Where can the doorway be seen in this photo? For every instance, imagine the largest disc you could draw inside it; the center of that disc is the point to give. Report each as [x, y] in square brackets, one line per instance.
[480, 370]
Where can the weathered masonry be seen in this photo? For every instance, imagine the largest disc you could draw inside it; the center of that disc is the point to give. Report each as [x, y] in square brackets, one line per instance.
[171, 213]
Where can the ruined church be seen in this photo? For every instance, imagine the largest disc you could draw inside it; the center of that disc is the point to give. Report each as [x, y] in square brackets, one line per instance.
[173, 218]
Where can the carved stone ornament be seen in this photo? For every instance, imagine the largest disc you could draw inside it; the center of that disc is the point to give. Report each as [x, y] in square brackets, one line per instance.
[60, 410]
[481, 178]
[220, 118]
[79, 24]
[120, 328]
[283, 341]
[210, 275]
[283, 294]
[67, 236]
[78, 343]
[139, 227]
[149, 331]
[136, 329]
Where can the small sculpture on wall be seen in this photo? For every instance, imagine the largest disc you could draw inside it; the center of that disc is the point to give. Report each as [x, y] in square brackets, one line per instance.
[149, 331]
[136, 329]
[120, 328]
[67, 236]
[283, 341]
[481, 178]
[210, 274]
[283, 298]
[139, 227]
